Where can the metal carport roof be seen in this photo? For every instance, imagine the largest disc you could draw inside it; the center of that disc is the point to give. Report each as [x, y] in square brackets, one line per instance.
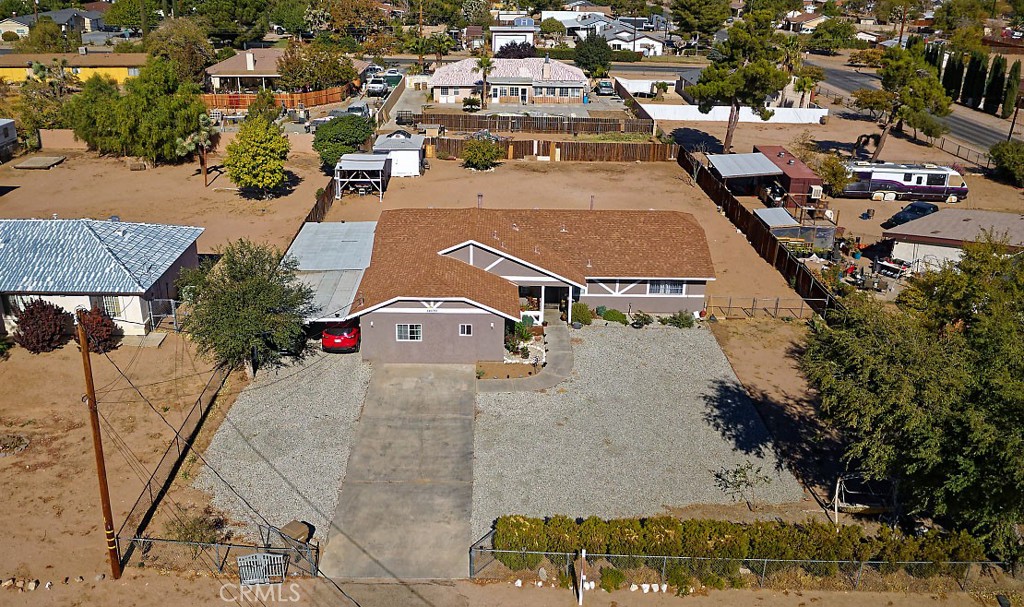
[731, 166]
[776, 217]
[332, 257]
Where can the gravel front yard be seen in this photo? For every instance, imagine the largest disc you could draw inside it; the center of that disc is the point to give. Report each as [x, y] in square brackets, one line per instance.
[643, 424]
[285, 443]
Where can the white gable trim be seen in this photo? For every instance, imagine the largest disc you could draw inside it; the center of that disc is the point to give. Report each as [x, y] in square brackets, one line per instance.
[428, 302]
[509, 257]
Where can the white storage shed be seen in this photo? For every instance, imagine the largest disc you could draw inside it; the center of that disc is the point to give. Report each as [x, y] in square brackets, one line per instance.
[405, 151]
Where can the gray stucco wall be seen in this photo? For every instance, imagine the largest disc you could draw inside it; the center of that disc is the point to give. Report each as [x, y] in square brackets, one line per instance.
[636, 298]
[441, 341]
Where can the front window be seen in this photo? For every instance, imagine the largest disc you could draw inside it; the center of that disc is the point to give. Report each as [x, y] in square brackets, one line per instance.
[133, 71]
[465, 330]
[551, 91]
[409, 332]
[666, 287]
[111, 304]
[444, 91]
[563, 92]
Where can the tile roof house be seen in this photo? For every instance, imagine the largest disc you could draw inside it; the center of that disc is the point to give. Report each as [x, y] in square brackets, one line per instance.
[121, 267]
[518, 81]
[932, 240]
[442, 284]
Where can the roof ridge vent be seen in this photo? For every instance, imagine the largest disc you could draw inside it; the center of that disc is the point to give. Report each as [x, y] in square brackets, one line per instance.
[515, 227]
[563, 230]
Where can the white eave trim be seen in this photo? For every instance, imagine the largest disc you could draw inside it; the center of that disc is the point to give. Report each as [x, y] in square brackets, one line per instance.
[464, 300]
[510, 257]
[648, 278]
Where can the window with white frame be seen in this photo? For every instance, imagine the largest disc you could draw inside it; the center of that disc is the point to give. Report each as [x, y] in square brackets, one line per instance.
[409, 332]
[444, 91]
[666, 287]
[111, 304]
[133, 71]
[465, 330]
[455, 91]
[551, 91]
[563, 91]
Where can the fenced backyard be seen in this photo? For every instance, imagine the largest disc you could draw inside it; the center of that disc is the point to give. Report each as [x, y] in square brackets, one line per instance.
[534, 124]
[685, 573]
[730, 307]
[566, 151]
[241, 101]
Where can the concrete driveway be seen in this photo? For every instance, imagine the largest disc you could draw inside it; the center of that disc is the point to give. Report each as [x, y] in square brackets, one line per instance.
[406, 501]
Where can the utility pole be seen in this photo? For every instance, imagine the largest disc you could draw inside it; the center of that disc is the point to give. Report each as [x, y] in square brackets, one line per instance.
[97, 443]
[35, 8]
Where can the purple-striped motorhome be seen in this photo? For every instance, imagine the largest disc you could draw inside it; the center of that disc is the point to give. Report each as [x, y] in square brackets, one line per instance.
[896, 181]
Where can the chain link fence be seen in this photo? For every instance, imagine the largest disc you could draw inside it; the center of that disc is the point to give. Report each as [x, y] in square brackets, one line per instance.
[686, 574]
[220, 558]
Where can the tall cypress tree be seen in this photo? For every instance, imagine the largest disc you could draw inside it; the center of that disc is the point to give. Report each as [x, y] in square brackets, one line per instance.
[995, 88]
[974, 83]
[1012, 85]
[953, 77]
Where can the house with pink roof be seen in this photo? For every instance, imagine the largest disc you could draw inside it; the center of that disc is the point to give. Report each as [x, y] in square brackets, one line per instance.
[529, 81]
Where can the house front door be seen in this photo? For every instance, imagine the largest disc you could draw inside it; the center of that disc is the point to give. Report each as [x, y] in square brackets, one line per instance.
[522, 94]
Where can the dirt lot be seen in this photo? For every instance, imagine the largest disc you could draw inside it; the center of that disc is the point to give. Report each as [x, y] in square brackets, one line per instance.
[86, 185]
[570, 185]
[51, 516]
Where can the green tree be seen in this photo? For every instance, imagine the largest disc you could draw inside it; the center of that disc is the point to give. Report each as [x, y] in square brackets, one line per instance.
[247, 307]
[476, 12]
[931, 392]
[953, 76]
[831, 9]
[342, 135]
[831, 36]
[700, 18]
[552, 28]
[200, 143]
[92, 113]
[419, 46]
[128, 14]
[46, 37]
[156, 110]
[236, 21]
[803, 85]
[1010, 94]
[995, 88]
[264, 105]
[316, 65]
[481, 154]
[974, 81]
[440, 45]
[41, 99]
[745, 73]
[183, 41]
[289, 14]
[871, 57]
[833, 173]
[952, 15]
[255, 159]
[1008, 157]
[911, 93]
[593, 55]
[485, 65]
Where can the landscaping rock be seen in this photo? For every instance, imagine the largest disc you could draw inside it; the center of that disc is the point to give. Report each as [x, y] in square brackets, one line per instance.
[543, 574]
[32, 585]
[7, 583]
[100, 577]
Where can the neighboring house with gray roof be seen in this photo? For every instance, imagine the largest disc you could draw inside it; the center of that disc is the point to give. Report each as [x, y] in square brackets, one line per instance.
[515, 81]
[117, 266]
[933, 240]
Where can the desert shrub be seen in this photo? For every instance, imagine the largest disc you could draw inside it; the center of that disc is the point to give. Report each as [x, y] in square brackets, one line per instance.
[626, 537]
[679, 577]
[10, 37]
[520, 533]
[614, 315]
[103, 334]
[563, 535]
[205, 527]
[41, 326]
[893, 547]
[471, 104]
[582, 313]
[600, 310]
[522, 331]
[936, 548]
[1008, 157]
[5, 345]
[594, 535]
[681, 319]
[643, 318]
[612, 579]
[481, 154]
[663, 535]
[524, 352]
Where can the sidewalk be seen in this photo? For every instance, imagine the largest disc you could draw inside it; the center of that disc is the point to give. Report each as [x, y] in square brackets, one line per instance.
[557, 369]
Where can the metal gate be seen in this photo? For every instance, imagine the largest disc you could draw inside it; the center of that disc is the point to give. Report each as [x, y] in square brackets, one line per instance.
[165, 311]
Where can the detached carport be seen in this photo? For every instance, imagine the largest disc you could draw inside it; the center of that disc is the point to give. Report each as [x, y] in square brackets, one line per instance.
[741, 173]
[362, 172]
[332, 257]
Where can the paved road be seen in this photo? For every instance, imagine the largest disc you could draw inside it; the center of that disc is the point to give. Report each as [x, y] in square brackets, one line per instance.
[966, 125]
[406, 501]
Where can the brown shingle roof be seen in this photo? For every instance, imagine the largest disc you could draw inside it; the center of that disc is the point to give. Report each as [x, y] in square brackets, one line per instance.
[575, 245]
[265, 63]
[75, 59]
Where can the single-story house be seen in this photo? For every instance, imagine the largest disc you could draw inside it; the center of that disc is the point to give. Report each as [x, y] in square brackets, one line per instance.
[522, 29]
[16, 67]
[255, 69]
[585, 6]
[473, 36]
[587, 24]
[932, 240]
[443, 285]
[866, 37]
[626, 38]
[405, 151]
[17, 25]
[117, 266]
[518, 81]
[69, 20]
[805, 23]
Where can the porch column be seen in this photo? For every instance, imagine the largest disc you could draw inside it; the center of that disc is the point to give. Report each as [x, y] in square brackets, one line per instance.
[542, 304]
[568, 306]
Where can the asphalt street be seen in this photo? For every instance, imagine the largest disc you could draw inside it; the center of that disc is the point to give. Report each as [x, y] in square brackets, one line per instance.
[966, 125]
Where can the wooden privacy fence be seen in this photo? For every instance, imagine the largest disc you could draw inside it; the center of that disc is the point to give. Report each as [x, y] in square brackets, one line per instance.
[241, 101]
[567, 151]
[535, 124]
[384, 113]
[800, 278]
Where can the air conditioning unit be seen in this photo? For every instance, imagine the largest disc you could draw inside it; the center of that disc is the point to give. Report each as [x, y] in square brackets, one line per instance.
[816, 192]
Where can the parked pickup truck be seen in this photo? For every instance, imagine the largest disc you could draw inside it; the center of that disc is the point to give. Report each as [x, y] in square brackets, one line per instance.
[376, 87]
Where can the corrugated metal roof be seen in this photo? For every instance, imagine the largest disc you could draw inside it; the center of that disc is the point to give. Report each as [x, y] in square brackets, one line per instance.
[87, 256]
[333, 293]
[776, 217]
[743, 165]
[333, 245]
[362, 162]
[394, 141]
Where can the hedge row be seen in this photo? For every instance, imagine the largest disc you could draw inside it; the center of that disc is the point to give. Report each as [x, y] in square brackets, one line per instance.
[668, 536]
[568, 54]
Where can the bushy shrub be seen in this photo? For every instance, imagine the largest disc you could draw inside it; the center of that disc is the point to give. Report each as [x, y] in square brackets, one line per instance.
[1008, 157]
[471, 104]
[612, 579]
[103, 334]
[582, 313]
[643, 318]
[5, 345]
[681, 319]
[626, 537]
[663, 535]
[614, 315]
[41, 326]
[679, 577]
[563, 535]
[10, 37]
[594, 535]
[481, 154]
[600, 310]
[522, 534]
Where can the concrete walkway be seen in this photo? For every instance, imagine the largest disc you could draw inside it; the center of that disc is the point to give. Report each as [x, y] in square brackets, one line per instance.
[557, 369]
[406, 501]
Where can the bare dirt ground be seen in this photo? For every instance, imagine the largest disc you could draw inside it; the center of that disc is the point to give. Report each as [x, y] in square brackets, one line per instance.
[51, 518]
[86, 185]
[570, 185]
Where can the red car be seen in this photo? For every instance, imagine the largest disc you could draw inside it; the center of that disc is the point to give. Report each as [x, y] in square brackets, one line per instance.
[340, 337]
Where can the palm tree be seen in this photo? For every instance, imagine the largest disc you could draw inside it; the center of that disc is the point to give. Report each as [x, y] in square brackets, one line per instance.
[792, 49]
[803, 85]
[441, 44]
[421, 46]
[484, 65]
[199, 143]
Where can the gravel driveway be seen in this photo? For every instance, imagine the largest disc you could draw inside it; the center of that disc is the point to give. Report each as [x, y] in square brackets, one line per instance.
[285, 443]
[643, 423]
